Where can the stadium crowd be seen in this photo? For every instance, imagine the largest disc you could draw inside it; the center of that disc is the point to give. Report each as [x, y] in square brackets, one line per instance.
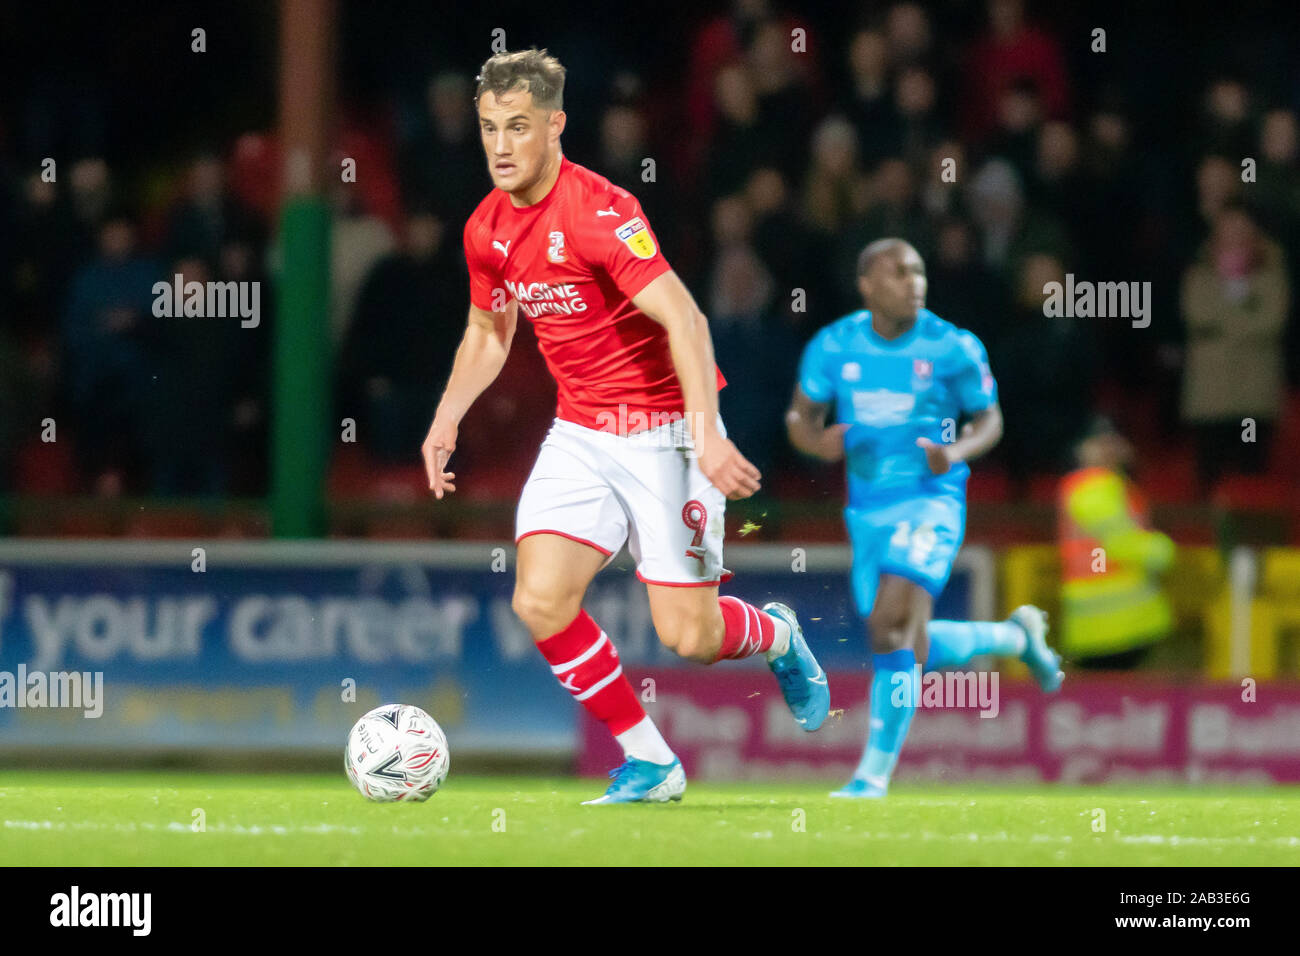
[1001, 143]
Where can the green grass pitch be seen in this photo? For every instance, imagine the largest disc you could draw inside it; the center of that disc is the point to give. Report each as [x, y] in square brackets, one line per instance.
[149, 818]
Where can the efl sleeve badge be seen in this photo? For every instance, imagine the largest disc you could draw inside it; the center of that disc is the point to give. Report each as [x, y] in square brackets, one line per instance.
[636, 236]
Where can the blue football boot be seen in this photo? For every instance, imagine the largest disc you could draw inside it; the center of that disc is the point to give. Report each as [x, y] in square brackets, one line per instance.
[640, 781]
[802, 680]
[1044, 663]
[860, 789]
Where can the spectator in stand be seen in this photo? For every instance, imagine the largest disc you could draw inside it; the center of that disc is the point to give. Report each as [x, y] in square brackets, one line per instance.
[21, 405]
[1218, 185]
[835, 188]
[961, 288]
[866, 102]
[43, 259]
[359, 240]
[1012, 51]
[207, 217]
[623, 150]
[249, 409]
[1107, 222]
[945, 175]
[721, 42]
[918, 127]
[409, 316]
[741, 318]
[1277, 206]
[787, 96]
[893, 211]
[1019, 119]
[1226, 126]
[1278, 174]
[1045, 371]
[1235, 304]
[794, 254]
[192, 365]
[90, 194]
[1011, 229]
[1056, 183]
[741, 141]
[107, 367]
[443, 161]
[907, 28]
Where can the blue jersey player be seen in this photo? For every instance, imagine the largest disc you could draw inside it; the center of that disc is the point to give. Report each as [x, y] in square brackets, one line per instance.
[886, 388]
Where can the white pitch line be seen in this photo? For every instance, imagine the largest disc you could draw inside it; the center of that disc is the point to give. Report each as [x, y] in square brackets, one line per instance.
[237, 829]
[1000, 837]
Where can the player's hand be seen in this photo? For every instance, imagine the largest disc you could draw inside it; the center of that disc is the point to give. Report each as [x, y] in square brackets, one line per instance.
[724, 465]
[830, 445]
[938, 455]
[437, 448]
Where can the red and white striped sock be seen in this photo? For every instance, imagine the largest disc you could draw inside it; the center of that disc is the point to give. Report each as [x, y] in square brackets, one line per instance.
[749, 631]
[586, 663]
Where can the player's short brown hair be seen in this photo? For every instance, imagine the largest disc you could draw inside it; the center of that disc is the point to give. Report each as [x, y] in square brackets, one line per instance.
[533, 71]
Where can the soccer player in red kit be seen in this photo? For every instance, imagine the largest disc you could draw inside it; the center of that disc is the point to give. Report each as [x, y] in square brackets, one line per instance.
[637, 453]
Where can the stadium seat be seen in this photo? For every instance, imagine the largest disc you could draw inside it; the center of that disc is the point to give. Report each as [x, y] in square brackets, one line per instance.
[1170, 477]
[1260, 660]
[167, 523]
[1280, 586]
[1252, 493]
[1194, 582]
[45, 468]
[988, 484]
[1044, 489]
[1031, 574]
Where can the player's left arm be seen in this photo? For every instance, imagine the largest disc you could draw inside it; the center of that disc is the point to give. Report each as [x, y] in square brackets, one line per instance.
[977, 394]
[978, 436]
[666, 300]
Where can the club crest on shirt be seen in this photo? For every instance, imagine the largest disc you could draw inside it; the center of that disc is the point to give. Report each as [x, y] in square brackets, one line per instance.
[851, 372]
[636, 237]
[922, 373]
[555, 251]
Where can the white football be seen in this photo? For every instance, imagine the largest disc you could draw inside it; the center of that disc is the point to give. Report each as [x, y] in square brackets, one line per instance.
[397, 752]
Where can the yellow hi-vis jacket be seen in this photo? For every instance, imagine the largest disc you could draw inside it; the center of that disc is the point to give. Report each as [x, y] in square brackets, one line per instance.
[1111, 598]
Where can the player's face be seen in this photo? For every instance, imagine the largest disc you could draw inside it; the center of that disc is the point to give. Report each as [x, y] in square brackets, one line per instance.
[895, 287]
[517, 138]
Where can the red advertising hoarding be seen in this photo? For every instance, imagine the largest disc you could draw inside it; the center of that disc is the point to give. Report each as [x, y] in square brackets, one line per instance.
[733, 725]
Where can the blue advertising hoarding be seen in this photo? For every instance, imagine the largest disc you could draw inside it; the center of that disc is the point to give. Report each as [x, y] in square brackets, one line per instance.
[280, 646]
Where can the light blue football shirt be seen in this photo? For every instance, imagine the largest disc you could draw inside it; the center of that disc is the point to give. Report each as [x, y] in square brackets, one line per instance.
[893, 392]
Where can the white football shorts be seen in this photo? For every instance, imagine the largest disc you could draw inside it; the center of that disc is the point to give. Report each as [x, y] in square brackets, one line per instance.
[646, 489]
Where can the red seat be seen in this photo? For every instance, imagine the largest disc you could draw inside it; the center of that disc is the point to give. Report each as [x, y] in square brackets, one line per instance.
[1253, 493]
[1170, 477]
[988, 484]
[46, 468]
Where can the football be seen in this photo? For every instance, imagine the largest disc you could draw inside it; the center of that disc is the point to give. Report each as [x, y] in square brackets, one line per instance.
[397, 752]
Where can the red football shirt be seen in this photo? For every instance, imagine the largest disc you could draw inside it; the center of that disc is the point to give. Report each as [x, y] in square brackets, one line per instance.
[573, 262]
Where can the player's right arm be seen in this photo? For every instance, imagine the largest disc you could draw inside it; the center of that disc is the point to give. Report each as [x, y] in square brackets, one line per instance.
[805, 424]
[479, 360]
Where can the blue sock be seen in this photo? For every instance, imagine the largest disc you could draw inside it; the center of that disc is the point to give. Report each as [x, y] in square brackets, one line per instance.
[895, 693]
[956, 642]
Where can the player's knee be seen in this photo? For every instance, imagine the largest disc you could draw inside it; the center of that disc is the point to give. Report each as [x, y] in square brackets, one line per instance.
[542, 613]
[696, 639]
[890, 632]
